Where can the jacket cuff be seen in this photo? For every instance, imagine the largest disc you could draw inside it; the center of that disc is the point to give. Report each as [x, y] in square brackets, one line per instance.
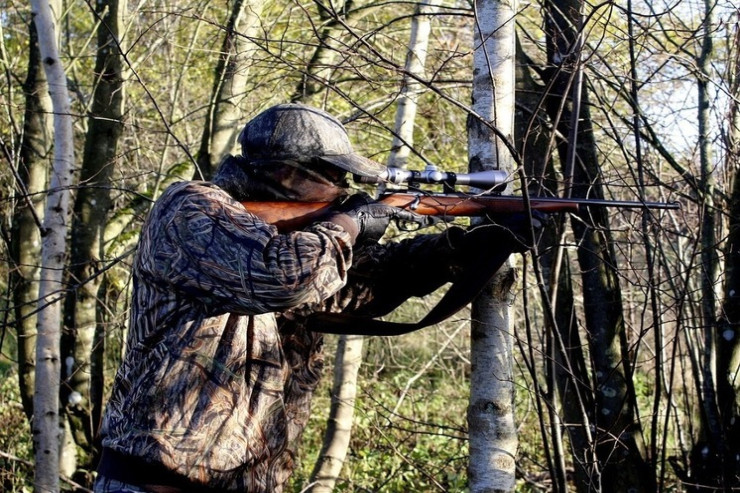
[346, 223]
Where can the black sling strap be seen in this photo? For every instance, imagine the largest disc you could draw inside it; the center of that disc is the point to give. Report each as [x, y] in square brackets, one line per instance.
[479, 270]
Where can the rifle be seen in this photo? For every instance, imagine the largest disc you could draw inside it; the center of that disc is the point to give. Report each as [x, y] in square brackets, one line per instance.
[289, 215]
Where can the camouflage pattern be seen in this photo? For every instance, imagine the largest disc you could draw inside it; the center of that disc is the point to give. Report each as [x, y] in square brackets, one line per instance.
[218, 374]
[298, 132]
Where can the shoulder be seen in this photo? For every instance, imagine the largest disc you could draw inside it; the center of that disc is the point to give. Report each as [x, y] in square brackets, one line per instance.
[193, 191]
[194, 211]
[195, 197]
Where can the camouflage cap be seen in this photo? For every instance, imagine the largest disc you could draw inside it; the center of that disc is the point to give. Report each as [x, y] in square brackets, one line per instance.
[299, 132]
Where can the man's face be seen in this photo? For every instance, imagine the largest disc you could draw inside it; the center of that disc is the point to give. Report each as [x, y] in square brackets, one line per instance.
[313, 181]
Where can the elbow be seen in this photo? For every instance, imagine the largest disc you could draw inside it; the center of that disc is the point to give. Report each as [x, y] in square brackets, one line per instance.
[306, 268]
[313, 288]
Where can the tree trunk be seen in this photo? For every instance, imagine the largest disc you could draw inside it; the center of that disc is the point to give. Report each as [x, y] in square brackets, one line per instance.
[81, 392]
[226, 115]
[493, 438]
[339, 424]
[622, 464]
[46, 423]
[708, 455]
[728, 355]
[318, 70]
[566, 373]
[35, 161]
[349, 350]
[619, 443]
[403, 139]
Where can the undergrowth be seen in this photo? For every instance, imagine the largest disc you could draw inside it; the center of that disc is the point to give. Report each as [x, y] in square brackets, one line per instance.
[409, 432]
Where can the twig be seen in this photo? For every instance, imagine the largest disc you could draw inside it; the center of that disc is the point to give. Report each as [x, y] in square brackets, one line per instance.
[28, 463]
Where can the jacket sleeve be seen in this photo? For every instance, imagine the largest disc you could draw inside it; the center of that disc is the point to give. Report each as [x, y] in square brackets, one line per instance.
[383, 276]
[204, 244]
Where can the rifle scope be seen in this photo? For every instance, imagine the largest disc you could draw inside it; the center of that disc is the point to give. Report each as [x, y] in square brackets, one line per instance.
[481, 179]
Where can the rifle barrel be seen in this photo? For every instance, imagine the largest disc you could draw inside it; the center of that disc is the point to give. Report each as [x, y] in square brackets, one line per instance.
[291, 215]
[622, 204]
[457, 204]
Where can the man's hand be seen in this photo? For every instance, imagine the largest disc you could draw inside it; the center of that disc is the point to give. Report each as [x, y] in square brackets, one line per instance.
[521, 226]
[372, 218]
[507, 232]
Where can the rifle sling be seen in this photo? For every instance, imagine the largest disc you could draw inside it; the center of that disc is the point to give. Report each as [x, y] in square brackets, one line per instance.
[475, 275]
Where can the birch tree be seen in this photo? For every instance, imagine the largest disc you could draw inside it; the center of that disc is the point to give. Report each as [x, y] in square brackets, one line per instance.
[319, 68]
[339, 424]
[31, 180]
[493, 438]
[411, 88]
[53, 254]
[607, 383]
[227, 108]
[349, 348]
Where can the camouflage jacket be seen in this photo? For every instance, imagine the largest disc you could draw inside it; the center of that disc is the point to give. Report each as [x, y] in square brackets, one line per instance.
[218, 373]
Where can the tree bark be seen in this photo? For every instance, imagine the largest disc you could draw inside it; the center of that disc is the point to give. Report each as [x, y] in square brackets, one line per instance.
[318, 70]
[349, 350]
[226, 115]
[622, 464]
[493, 438]
[728, 356]
[339, 424]
[35, 161]
[82, 373]
[46, 426]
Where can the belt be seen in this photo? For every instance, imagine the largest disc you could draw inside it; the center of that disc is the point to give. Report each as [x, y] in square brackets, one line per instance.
[146, 475]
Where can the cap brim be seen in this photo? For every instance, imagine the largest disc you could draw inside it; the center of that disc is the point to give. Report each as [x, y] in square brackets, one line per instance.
[357, 165]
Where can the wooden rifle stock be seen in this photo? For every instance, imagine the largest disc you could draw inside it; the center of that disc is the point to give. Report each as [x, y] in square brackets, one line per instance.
[288, 215]
[291, 216]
